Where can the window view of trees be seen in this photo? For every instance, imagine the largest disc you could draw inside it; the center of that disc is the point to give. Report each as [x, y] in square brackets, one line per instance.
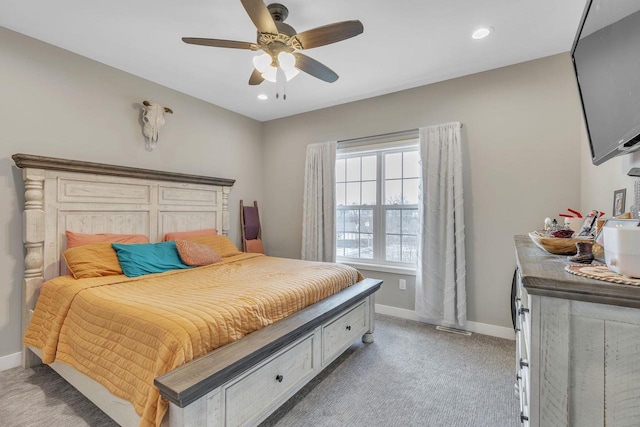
[402, 227]
[355, 233]
[381, 232]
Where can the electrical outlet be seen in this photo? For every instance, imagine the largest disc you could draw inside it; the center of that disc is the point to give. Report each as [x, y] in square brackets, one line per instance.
[403, 284]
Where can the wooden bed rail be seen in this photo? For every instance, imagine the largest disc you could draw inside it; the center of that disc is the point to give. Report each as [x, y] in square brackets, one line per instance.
[194, 380]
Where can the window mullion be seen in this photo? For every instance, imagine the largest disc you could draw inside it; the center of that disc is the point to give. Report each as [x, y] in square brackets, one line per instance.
[379, 235]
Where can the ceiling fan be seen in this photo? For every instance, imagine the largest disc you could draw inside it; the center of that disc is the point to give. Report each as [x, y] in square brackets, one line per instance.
[281, 43]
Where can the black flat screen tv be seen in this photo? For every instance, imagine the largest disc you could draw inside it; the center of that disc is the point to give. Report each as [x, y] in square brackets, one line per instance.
[606, 60]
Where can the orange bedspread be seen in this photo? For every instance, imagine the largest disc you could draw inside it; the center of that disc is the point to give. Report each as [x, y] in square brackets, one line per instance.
[124, 332]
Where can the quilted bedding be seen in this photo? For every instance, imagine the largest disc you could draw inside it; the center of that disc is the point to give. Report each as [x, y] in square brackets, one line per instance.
[124, 332]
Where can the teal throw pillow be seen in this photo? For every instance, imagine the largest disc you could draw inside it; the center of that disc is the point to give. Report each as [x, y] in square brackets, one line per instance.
[140, 259]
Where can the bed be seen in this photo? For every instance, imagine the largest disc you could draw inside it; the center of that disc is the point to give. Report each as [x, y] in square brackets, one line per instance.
[247, 375]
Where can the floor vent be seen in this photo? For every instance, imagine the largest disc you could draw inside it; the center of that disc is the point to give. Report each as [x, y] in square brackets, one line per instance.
[453, 330]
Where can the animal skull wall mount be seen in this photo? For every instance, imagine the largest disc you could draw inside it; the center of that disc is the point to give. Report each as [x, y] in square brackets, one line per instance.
[153, 119]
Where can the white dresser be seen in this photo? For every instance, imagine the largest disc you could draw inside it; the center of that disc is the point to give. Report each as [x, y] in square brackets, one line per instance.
[577, 345]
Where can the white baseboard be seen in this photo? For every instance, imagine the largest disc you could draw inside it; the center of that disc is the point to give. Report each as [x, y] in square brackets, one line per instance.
[10, 361]
[478, 328]
[493, 330]
[402, 313]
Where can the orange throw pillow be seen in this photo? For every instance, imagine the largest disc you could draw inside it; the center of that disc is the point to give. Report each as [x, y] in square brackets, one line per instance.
[254, 246]
[220, 244]
[196, 255]
[79, 239]
[93, 260]
[181, 235]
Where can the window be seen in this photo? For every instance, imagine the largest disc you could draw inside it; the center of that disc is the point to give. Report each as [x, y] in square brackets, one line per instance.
[377, 205]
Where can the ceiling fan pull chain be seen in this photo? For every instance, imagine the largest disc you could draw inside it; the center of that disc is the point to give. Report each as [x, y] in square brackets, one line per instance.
[281, 83]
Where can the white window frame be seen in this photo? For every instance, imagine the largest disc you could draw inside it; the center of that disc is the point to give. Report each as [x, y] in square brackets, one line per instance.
[378, 263]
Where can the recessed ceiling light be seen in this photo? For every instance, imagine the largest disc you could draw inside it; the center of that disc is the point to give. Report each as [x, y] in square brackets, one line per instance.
[481, 33]
[262, 97]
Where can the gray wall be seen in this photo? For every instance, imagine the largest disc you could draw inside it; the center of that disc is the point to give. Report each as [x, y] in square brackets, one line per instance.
[599, 182]
[55, 103]
[521, 142]
[521, 137]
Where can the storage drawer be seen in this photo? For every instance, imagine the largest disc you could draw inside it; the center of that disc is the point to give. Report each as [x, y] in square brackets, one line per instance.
[342, 332]
[523, 383]
[247, 398]
[524, 417]
[525, 325]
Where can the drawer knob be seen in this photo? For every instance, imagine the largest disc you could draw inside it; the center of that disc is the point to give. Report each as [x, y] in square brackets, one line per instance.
[279, 378]
[348, 327]
[523, 310]
[523, 417]
[523, 363]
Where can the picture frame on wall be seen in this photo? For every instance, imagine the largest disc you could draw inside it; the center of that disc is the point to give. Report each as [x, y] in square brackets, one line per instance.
[619, 200]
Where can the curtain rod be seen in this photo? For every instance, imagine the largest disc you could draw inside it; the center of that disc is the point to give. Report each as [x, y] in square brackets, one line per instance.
[410, 133]
[405, 133]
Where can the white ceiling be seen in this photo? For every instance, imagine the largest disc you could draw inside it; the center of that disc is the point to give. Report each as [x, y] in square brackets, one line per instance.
[406, 43]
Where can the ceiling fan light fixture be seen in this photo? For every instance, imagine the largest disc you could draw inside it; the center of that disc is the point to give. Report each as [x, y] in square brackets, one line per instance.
[270, 74]
[286, 61]
[262, 62]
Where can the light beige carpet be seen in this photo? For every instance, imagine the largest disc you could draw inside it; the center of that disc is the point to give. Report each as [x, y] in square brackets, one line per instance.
[413, 375]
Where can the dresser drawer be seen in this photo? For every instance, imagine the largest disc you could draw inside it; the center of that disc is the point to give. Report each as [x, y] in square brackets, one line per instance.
[342, 332]
[247, 398]
[523, 383]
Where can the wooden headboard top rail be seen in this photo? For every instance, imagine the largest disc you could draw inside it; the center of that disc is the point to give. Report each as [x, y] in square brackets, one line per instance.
[91, 198]
[52, 163]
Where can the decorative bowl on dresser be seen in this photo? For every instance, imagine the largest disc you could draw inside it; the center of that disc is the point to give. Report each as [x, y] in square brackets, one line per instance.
[557, 245]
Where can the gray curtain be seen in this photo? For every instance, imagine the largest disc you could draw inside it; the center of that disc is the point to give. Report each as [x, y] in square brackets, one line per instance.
[319, 211]
[441, 272]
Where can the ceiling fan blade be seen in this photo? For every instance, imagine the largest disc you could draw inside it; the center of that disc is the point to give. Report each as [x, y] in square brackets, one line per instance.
[220, 43]
[256, 78]
[260, 16]
[314, 68]
[331, 33]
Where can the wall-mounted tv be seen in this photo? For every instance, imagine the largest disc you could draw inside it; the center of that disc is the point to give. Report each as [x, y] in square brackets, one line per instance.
[606, 59]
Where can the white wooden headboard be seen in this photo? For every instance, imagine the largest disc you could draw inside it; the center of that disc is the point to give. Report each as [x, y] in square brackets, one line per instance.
[94, 198]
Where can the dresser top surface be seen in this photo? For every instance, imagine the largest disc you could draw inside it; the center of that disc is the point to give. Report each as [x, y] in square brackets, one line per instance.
[543, 274]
